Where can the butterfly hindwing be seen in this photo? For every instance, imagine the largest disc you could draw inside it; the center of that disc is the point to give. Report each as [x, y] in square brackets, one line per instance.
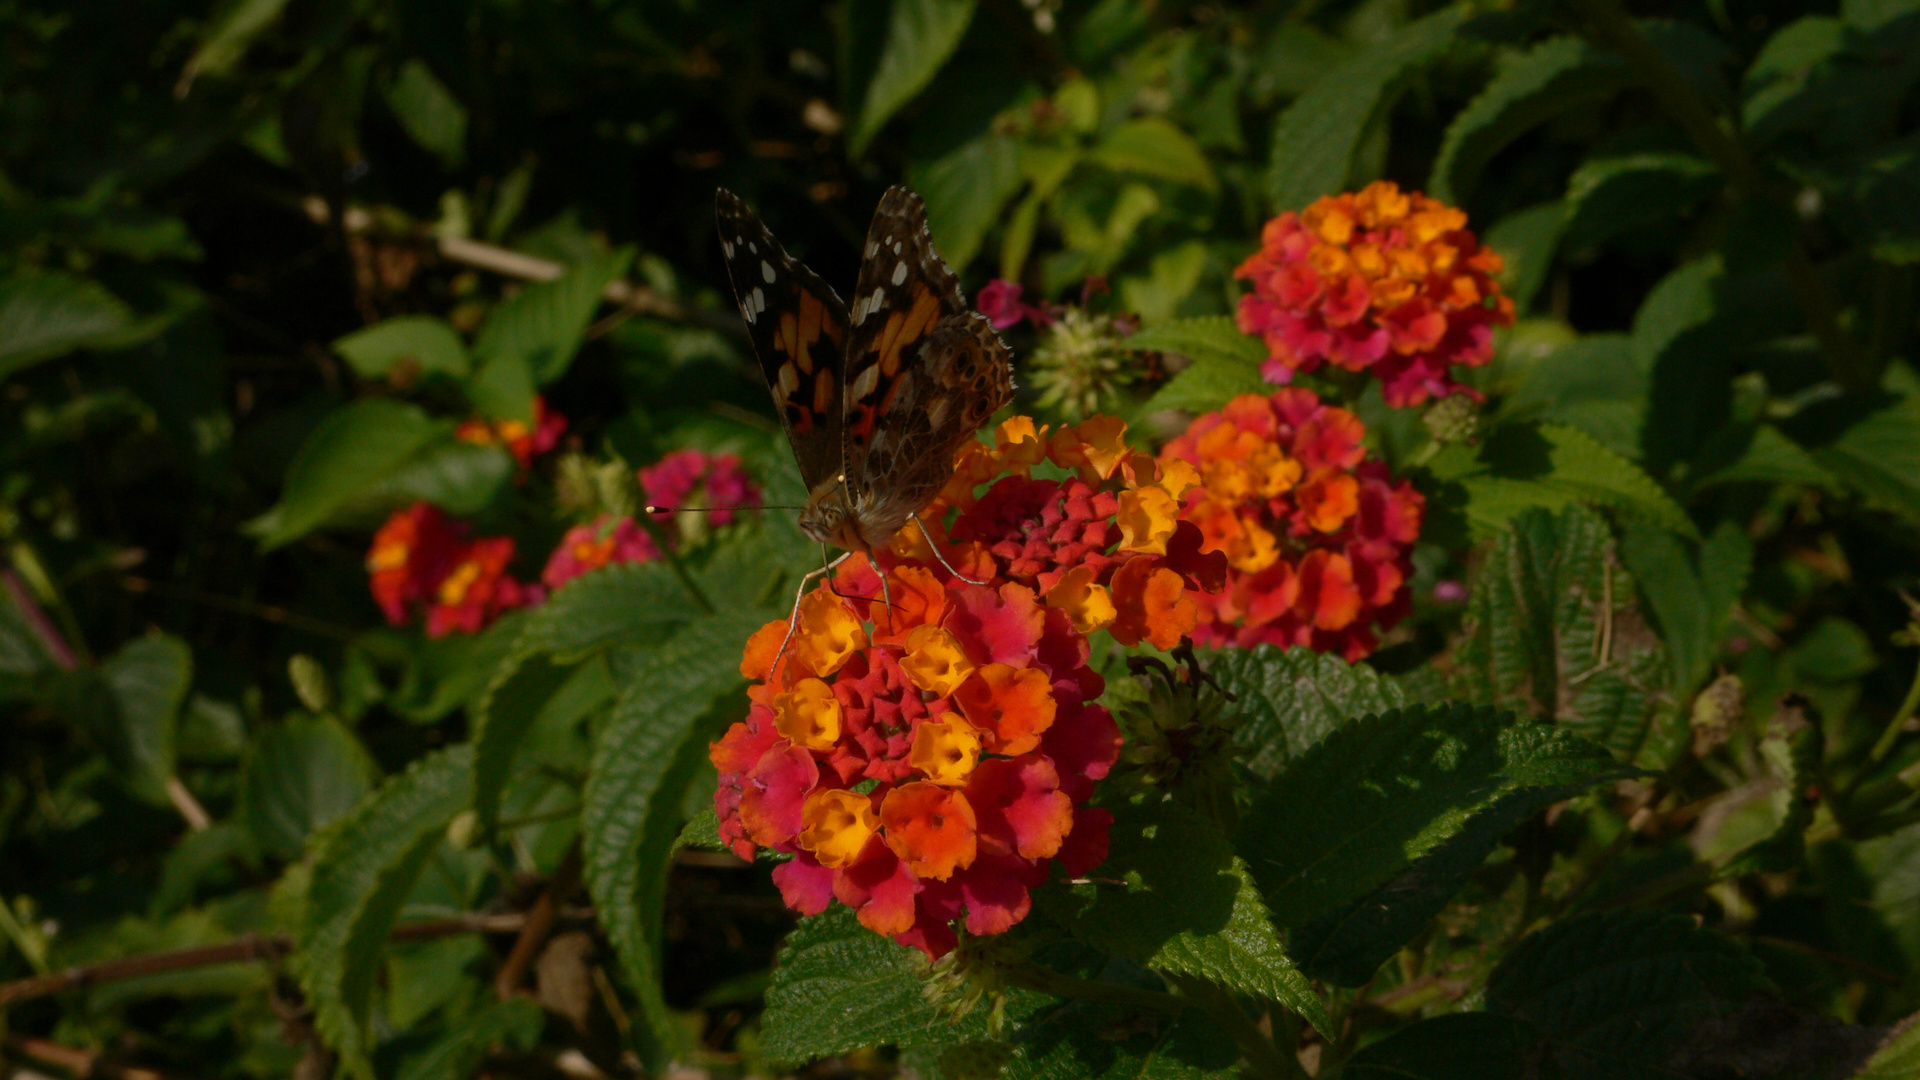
[923, 371]
[799, 329]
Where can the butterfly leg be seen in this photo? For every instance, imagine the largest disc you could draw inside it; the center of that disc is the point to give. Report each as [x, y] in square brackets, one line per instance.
[793, 619]
[935, 548]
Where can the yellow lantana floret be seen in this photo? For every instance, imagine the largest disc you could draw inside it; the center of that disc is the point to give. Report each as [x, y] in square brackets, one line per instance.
[946, 751]
[808, 714]
[934, 660]
[835, 825]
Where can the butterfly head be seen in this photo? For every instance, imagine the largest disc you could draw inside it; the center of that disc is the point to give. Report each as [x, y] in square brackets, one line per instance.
[830, 517]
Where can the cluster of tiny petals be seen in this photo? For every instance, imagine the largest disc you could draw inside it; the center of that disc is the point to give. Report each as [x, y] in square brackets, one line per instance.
[1381, 280]
[715, 481]
[422, 561]
[925, 760]
[1317, 537]
[524, 441]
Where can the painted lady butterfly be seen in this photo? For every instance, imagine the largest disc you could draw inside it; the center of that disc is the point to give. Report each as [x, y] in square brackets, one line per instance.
[877, 401]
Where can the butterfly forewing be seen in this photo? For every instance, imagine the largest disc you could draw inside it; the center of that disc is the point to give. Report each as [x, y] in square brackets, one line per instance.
[923, 372]
[799, 330]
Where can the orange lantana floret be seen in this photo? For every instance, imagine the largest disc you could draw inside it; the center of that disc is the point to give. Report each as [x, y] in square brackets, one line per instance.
[930, 828]
[836, 825]
[1010, 706]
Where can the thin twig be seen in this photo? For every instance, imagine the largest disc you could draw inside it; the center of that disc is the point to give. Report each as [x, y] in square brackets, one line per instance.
[539, 924]
[75, 1060]
[250, 948]
[270, 613]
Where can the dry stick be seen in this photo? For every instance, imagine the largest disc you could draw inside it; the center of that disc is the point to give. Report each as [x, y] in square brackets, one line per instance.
[75, 1060]
[539, 925]
[251, 947]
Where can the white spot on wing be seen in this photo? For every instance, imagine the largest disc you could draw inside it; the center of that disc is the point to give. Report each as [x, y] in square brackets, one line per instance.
[899, 273]
[867, 382]
[766, 271]
[728, 245]
[873, 302]
[753, 247]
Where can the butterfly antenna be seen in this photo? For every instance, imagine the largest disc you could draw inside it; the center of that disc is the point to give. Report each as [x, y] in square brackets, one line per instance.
[652, 509]
[935, 548]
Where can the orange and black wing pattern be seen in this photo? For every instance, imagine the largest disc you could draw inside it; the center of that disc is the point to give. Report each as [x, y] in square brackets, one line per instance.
[923, 373]
[799, 330]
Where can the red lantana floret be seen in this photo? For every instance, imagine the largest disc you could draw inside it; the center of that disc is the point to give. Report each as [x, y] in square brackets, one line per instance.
[524, 441]
[421, 560]
[1317, 537]
[715, 481]
[924, 762]
[1381, 280]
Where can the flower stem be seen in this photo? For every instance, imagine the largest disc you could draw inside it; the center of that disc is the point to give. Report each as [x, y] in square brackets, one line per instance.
[1901, 715]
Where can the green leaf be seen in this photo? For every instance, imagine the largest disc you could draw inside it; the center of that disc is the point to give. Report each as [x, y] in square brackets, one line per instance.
[1691, 595]
[1347, 946]
[1379, 792]
[646, 755]
[347, 453]
[1529, 88]
[544, 323]
[1614, 995]
[1187, 906]
[1153, 146]
[1456, 1046]
[1526, 241]
[1899, 1057]
[45, 315]
[838, 986]
[1317, 137]
[457, 476]
[1760, 454]
[442, 674]
[503, 387]
[1590, 383]
[146, 680]
[1087, 1040]
[424, 344]
[630, 603]
[429, 112]
[1524, 466]
[1682, 301]
[1226, 362]
[229, 37]
[921, 35]
[298, 777]
[1171, 277]
[965, 192]
[462, 1051]
[361, 875]
[1877, 455]
[512, 703]
[1291, 699]
[1544, 601]
[1614, 195]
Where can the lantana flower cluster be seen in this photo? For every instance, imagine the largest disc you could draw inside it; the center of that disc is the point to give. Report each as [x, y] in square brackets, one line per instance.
[524, 441]
[421, 560]
[1317, 537]
[925, 762]
[713, 482]
[1379, 280]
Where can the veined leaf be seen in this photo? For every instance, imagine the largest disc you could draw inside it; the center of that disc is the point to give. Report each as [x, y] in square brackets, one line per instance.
[426, 344]
[146, 680]
[1315, 141]
[1899, 1057]
[965, 192]
[1203, 337]
[1380, 792]
[1291, 699]
[1522, 466]
[1612, 195]
[455, 475]
[1691, 595]
[429, 112]
[647, 754]
[1530, 88]
[1545, 601]
[45, 315]
[544, 323]
[1526, 241]
[1094, 1041]
[1153, 146]
[229, 37]
[512, 703]
[626, 603]
[921, 35]
[1188, 906]
[300, 776]
[361, 875]
[347, 453]
[838, 986]
[1613, 995]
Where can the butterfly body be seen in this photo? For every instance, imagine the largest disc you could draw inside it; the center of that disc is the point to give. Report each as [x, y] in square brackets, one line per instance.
[876, 399]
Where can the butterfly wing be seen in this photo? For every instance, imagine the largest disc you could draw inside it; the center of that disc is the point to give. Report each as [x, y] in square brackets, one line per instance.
[923, 372]
[799, 331]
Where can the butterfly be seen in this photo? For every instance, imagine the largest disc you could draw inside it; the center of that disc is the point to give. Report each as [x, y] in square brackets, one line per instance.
[876, 400]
